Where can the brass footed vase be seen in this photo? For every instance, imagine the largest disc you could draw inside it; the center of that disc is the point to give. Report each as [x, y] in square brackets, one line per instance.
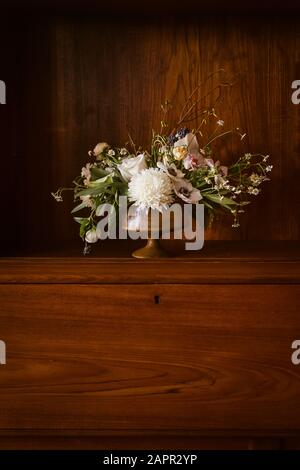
[148, 225]
[164, 247]
[151, 250]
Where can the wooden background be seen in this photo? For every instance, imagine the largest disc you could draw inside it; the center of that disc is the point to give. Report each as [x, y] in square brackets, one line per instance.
[73, 80]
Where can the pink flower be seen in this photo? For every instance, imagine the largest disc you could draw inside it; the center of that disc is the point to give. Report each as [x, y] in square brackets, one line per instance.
[185, 191]
[193, 161]
[188, 149]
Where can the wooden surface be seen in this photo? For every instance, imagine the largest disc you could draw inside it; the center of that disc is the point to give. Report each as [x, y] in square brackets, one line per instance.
[73, 80]
[122, 353]
[111, 262]
[108, 358]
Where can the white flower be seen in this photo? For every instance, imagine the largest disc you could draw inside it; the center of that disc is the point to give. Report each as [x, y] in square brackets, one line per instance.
[151, 188]
[111, 153]
[166, 159]
[91, 236]
[163, 149]
[221, 182]
[269, 168]
[172, 171]
[86, 173]
[220, 122]
[187, 192]
[123, 151]
[98, 150]
[216, 167]
[57, 196]
[132, 166]
[254, 191]
[256, 179]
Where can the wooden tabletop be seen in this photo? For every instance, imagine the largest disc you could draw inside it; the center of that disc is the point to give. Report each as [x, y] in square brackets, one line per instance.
[111, 263]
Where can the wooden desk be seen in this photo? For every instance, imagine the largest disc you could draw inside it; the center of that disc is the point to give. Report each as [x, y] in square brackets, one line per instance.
[113, 352]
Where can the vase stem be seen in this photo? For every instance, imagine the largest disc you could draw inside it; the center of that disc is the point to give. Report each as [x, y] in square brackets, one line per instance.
[151, 250]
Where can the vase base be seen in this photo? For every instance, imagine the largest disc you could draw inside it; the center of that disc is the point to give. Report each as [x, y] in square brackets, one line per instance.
[151, 250]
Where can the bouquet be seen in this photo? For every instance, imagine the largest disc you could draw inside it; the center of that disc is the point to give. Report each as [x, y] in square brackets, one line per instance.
[179, 166]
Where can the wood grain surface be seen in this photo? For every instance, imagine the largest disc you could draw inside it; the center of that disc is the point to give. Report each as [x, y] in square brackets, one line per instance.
[181, 271]
[73, 80]
[110, 358]
[111, 262]
[109, 351]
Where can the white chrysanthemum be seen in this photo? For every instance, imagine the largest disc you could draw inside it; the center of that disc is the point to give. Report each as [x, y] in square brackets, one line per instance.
[151, 188]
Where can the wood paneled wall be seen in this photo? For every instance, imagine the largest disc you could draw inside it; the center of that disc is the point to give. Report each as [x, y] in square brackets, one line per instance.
[73, 81]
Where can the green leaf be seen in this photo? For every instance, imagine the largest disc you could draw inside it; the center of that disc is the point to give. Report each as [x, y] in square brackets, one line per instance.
[96, 187]
[84, 227]
[79, 220]
[98, 172]
[225, 201]
[106, 179]
[92, 191]
[79, 207]
[244, 203]
[209, 206]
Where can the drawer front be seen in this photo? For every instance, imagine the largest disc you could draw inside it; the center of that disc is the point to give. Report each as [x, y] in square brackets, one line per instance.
[130, 358]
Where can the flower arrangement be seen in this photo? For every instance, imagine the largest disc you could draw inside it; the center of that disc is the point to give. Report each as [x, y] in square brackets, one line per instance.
[179, 166]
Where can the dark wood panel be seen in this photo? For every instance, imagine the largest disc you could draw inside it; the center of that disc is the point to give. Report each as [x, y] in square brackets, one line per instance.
[102, 100]
[109, 358]
[75, 80]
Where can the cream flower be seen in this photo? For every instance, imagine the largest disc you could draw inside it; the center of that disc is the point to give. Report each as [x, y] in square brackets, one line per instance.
[86, 173]
[187, 192]
[188, 145]
[98, 150]
[152, 188]
[131, 166]
[180, 152]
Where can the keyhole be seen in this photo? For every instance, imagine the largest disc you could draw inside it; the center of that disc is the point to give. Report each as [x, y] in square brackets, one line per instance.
[157, 299]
